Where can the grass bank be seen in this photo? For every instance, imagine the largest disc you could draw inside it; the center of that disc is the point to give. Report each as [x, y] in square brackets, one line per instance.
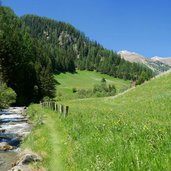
[47, 138]
[129, 132]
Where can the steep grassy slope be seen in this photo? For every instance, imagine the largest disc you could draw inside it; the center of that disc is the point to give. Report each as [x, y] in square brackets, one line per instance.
[85, 80]
[128, 132]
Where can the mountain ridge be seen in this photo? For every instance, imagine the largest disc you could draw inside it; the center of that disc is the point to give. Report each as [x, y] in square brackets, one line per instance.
[166, 60]
[157, 64]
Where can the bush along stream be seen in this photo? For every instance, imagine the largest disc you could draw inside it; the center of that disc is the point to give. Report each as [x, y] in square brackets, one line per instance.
[14, 127]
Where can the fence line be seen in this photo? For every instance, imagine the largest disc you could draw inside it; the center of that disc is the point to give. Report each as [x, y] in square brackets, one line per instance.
[63, 110]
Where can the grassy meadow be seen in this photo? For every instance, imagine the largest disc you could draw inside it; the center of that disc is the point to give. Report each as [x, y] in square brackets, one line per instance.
[128, 132]
[85, 80]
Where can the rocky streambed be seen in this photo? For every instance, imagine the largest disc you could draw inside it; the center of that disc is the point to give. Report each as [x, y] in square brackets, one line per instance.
[13, 128]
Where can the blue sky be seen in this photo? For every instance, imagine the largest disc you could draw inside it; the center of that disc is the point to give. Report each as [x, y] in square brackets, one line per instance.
[142, 26]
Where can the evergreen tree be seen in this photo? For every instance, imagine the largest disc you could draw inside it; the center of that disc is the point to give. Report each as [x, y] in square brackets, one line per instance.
[20, 57]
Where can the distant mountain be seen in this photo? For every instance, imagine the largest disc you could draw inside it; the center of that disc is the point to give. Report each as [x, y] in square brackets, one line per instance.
[132, 56]
[165, 60]
[157, 64]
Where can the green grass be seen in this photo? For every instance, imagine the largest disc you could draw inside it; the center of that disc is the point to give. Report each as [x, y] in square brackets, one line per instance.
[46, 139]
[128, 132]
[85, 80]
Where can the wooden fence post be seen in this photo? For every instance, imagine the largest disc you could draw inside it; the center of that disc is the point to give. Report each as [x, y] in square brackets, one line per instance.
[49, 105]
[56, 107]
[61, 108]
[41, 104]
[66, 111]
[53, 106]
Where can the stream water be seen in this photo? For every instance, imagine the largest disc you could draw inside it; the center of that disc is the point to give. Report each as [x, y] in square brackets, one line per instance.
[13, 127]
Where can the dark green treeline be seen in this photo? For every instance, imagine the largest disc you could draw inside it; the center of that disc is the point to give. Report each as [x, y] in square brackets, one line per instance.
[24, 63]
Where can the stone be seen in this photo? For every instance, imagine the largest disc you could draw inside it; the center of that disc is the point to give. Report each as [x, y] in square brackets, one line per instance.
[2, 130]
[28, 158]
[21, 168]
[24, 160]
[1, 162]
[4, 146]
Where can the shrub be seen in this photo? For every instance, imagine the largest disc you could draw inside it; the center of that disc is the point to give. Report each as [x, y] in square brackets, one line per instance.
[74, 90]
[84, 93]
[104, 90]
[46, 98]
[7, 96]
[99, 90]
[103, 80]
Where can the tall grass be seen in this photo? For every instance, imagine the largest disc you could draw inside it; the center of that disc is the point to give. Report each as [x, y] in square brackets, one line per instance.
[128, 132]
[47, 138]
[131, 132]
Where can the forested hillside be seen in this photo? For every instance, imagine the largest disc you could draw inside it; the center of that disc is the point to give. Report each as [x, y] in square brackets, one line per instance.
[68, 46]
[33, 48]
[24, 64]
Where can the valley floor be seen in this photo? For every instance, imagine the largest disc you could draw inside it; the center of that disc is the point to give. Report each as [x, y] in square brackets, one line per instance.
[85, 80]
[129, 132]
